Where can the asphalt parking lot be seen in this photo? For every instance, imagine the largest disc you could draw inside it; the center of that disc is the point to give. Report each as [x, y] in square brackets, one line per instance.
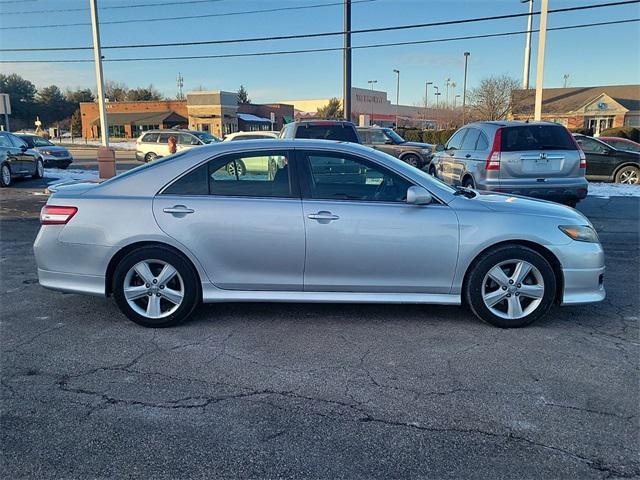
[316, 391]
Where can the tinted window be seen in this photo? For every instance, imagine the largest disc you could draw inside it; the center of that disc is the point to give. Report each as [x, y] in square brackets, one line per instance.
[630, 147]
[469, 142]
[264, 174]
[327, 132]
[186, 139]
[337, 177]
[365, 136]
[378, 137]
[482, 143]
[164, 137]
[455, 142]
[194, 183]
[536, 137]
[592, 146]
[4, 141]
[17, 142]
[150, 138]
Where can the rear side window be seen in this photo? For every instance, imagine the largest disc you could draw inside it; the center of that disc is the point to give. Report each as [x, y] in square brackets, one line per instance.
[193, 183]
[328, 132]
[470, 139]
[150, 138]
[482, 143]
[536, 137]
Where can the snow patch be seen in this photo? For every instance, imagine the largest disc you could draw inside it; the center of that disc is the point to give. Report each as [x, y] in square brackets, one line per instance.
[94, 143]
[70, 175]
[606, 190]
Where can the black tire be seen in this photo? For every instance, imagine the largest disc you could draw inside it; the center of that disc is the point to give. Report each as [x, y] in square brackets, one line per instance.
[242, 169]
[150, 157]
[468, 182]
[432, 171]
[190, 283]
[629, 175]
[412, 160]
[7, 182]
[571, 202]
[37, 173]
[473, 287]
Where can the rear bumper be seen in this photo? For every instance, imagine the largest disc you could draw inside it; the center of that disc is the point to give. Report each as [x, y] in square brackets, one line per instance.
[548, 189]
[72, 282]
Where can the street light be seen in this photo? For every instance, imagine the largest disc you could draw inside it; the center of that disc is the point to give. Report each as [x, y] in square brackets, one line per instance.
[397, 95]
[464, 87]
[372, 83]
[437, 94]
[426, 99]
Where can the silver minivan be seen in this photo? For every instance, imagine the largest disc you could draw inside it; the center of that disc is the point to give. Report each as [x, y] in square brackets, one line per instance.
[536, 159]
[153, 144]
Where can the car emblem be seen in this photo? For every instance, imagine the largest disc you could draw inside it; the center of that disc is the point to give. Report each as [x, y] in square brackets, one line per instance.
[543, 156]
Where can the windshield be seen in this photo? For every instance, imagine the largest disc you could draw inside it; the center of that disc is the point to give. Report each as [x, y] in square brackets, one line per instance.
[206, 137]
[34, 141]
[394, 136]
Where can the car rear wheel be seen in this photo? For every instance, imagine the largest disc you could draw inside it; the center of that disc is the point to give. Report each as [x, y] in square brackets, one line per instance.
[412, 160]
[5, 175]
[629, 175]
[39, 171]
[468, 182]
[432, 171]
[231, 168]
[510, 287]
[150, 157]
[156, 287]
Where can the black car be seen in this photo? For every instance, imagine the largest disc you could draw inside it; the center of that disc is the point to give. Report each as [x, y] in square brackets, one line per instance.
[17, 160]
[608, 164]
[52, 155]
[340, 130]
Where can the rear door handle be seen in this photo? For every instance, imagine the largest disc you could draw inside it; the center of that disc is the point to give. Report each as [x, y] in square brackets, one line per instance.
[178, 210]
[323, 215]
[467, 155]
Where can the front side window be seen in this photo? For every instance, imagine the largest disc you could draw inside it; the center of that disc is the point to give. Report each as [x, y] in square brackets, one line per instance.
[394, 136]
[455, 142]
[4, 141]
[378, 137]
[186, 139]
[341, 177]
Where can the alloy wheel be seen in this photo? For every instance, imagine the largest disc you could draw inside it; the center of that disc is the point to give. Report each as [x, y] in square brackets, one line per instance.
[40, 169]
[513, 289]
[6, 175]
[630, 176]
[153, 288]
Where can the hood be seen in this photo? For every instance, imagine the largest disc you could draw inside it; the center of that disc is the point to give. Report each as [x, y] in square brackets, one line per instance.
[505, 203]
[417, 145]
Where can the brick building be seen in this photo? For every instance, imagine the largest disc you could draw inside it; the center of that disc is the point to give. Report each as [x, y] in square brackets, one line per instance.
[597, 108]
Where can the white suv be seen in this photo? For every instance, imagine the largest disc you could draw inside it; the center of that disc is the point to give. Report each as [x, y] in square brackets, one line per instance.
[153, 144]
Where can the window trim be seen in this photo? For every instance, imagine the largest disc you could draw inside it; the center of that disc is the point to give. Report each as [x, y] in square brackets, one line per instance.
[293, 175]
[304, 174]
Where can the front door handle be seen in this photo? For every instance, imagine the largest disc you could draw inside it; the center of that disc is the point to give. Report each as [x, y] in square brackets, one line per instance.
[468, 155]
[178, 210]
[323, 216]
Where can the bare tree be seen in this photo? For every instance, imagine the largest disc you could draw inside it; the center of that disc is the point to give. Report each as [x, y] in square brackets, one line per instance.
[492, 99]
[115, 91]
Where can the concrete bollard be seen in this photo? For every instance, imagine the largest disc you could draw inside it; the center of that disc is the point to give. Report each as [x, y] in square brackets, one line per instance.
[106, 162]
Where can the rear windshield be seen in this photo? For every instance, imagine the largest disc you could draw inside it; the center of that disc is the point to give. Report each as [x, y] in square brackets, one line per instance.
[536, 137]
[328, 132]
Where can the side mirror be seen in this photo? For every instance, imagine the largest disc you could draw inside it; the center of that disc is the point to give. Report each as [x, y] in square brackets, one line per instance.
[389, 142]
[418, 196]
[439, 147]
[23, 147]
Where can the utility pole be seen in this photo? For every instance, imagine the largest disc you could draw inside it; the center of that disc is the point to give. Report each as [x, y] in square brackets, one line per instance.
[346, 100]
[372, 83]
[426, 100]
[542, 40]
[106, 156]
[464, 88]
[397, 95]
[180, 83]
[527, 47]
[437, 94]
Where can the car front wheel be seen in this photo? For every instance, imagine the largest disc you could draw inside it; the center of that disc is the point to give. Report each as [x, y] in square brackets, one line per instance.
[412, 160]
[510, 287]
[156, 287]
[39, 171]
[5, 175]
[150, 157]
[629, 175]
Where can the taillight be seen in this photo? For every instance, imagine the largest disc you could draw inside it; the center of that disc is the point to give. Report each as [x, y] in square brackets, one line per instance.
[583, 158]
[493, 160]
[56, 215]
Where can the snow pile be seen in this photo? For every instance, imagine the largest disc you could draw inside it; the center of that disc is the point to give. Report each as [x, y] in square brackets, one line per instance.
[606, 190]
[94, 143]
[71, 175]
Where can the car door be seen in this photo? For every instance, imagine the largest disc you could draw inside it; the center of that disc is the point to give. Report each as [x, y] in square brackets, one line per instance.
[464, 157]
[600, 163]
[162, 149]
[380, 141]
[26, 157]
[362, 236]
[449, 157]
[186, 141]
[246, 231]
[12, 157]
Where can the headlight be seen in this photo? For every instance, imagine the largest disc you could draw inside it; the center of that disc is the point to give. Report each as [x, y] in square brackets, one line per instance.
[45, 152]
[580, 233]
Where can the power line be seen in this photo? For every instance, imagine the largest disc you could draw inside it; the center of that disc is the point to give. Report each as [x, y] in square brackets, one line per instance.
[322, 34]
[113, 7]
[185, 17]
[332, 49]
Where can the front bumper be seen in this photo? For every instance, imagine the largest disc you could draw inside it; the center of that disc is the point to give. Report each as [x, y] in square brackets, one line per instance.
[52, 161]
[549, 189]
[583, 272]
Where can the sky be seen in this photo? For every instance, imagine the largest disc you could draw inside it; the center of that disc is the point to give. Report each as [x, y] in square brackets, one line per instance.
[603, 55]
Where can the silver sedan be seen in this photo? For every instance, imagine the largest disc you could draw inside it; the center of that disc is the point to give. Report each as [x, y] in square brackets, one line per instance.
[324, 222]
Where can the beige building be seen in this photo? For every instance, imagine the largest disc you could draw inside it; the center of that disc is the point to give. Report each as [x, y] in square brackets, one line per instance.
[214, 112]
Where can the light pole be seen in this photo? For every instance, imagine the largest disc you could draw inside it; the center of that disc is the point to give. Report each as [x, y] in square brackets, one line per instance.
[397, 94]
[372, 83]
[346, 94]
[426, 100]
[464, 87]
[437, 94]
[446, 97]
[527, 47]
[542, 40]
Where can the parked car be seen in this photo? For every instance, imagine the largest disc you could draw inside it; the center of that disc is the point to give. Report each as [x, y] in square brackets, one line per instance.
[339, 130]
[255, 135]
[17, 160]
[386, 140]
[536, 159]
[608, 164]
[169, 234]
[52, 155]
[155, 143]
[621, 143]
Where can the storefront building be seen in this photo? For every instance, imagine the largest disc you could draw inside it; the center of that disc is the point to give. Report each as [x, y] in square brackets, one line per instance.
[596, 108]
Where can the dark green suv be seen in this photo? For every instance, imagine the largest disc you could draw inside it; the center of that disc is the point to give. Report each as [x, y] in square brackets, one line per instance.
[386, 140]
